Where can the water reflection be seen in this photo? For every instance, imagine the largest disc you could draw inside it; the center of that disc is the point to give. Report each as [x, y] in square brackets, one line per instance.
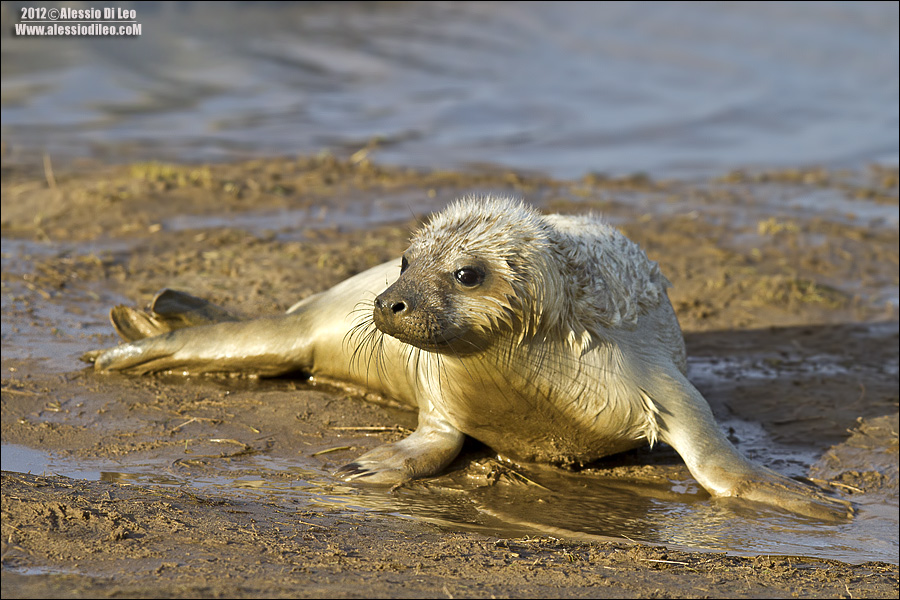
[589, 508]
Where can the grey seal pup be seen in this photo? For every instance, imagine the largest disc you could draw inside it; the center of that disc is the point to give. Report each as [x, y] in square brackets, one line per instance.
[547, 337]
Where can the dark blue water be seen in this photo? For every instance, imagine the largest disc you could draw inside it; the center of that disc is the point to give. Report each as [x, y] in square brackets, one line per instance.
[671, 89]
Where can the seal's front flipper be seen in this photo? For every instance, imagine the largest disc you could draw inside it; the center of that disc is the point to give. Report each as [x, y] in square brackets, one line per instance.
[169, 310]
[427, 451]
[769, 487]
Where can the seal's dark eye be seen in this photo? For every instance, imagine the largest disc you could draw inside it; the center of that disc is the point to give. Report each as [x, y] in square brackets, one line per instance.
[469, 276]
[404, 264]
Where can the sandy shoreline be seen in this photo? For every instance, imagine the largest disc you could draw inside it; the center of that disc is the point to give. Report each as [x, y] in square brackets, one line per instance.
[778, 301]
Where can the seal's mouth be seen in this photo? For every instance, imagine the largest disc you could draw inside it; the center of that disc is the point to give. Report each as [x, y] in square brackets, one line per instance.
[420, 340]
[453, 342]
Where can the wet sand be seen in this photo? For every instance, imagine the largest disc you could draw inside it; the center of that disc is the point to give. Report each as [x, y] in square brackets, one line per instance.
[222, 486]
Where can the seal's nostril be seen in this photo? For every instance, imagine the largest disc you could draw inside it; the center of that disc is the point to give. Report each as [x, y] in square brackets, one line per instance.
[398, 307]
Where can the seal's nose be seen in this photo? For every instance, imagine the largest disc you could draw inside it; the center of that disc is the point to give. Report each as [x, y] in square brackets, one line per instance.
[388, 307]
[390, 310]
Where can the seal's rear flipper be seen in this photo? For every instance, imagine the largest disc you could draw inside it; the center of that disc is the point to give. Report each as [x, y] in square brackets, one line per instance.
[169, 310]
[246, 347]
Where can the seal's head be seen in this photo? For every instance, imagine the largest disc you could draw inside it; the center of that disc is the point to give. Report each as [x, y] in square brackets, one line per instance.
[487, 269]
[465, 276]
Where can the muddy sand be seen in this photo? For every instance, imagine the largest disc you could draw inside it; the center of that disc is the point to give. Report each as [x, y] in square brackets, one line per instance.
[785, 284]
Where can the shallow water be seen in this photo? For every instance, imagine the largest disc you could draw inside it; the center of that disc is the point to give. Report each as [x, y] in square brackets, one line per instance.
[292, 224]
[64, 322]
[680, 89]
[677, 514]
